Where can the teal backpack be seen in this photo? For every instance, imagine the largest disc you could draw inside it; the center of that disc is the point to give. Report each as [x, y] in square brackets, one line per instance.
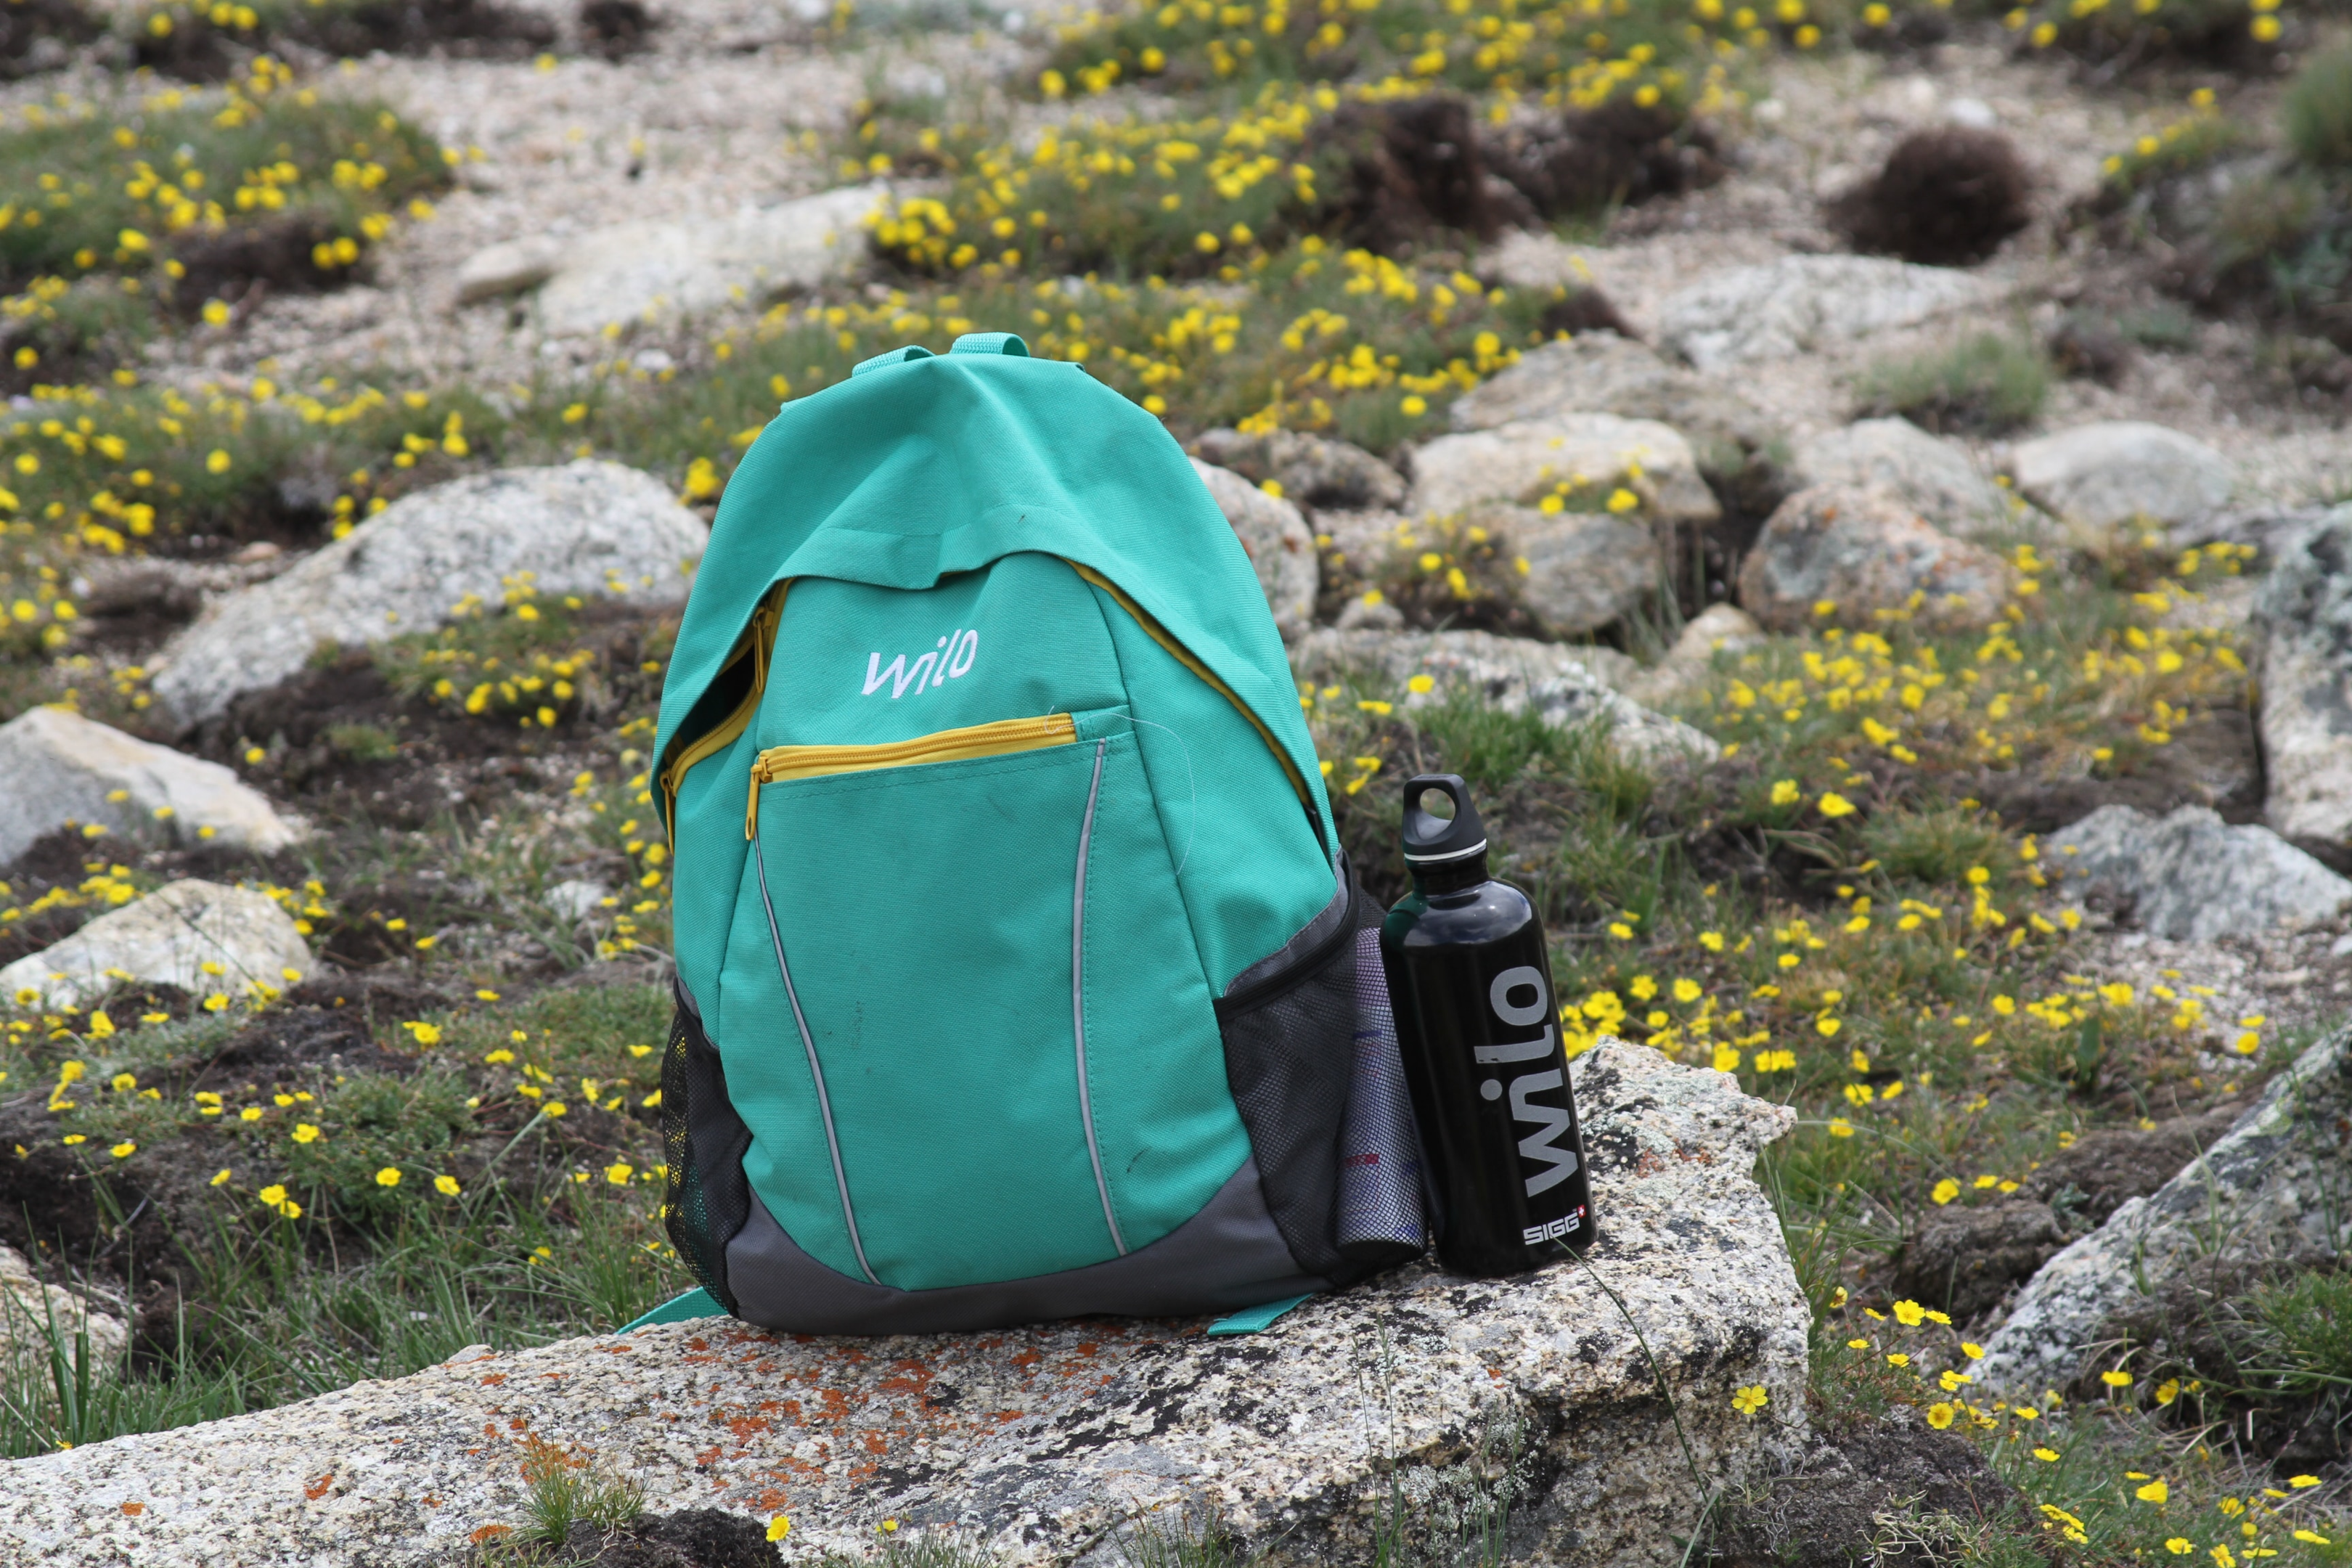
[1016, 958]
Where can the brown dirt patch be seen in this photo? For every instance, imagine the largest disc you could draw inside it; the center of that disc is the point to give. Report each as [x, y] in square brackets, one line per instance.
[1620, 154]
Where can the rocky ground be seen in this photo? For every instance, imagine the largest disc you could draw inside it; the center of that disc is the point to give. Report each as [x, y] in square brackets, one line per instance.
[1860, 492]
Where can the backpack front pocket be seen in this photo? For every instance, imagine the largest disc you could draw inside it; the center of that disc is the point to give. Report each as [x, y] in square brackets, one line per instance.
[970, 991]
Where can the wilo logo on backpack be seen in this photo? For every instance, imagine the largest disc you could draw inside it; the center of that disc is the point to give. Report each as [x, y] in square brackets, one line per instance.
[1549, 1121]
[951, 658]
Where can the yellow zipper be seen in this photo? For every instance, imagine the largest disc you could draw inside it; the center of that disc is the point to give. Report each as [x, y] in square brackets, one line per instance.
[757, 644]
[1185, 657]
[1005, 736]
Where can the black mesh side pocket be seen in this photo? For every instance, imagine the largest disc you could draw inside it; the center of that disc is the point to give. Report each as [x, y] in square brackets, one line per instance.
[1290, 1039]
[708, 1198]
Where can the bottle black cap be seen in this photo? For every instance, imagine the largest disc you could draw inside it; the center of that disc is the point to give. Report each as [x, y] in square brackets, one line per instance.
[1433, 840]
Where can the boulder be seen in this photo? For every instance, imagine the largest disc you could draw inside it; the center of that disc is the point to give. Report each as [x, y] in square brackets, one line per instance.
[508, 268]
[1517, 674]
[1861, 552]
[1935, 477]
[62, 767]
[202, 937]
[658, 273]
[1718, 628]
[2304, 611]
[2125, 473]
[1589, 454]
[1311, 470]
[1737, 445]
[30, 1310]
[1801, 303]
[2264, 1191]
[2269, 530]
[2190, 876]
[1527, 1407]
[1584, 570]
[1278, 543]
[587, 528]
[1352, 546]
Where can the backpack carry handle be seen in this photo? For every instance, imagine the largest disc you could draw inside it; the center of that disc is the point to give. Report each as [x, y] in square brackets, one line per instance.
[896, 356]
[970, 343]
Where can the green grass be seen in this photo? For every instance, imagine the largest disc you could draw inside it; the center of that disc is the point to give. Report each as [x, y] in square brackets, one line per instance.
[195, 37]
[562, 1493]
[1987, 382]
[2317, 113]
[371, 1224]
[132, 188]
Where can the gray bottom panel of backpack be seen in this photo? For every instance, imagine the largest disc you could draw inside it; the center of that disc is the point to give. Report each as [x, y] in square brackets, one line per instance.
[1228, 1256]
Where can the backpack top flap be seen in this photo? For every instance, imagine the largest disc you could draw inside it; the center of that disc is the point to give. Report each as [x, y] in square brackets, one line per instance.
[933, 466]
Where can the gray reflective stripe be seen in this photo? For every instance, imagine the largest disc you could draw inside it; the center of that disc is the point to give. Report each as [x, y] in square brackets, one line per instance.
[823, 1104]
[1078, 997]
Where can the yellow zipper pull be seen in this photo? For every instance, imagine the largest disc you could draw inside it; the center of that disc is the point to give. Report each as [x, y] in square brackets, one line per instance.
[751, 809]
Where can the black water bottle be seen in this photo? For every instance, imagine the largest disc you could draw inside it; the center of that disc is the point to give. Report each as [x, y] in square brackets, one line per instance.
[1470, 982]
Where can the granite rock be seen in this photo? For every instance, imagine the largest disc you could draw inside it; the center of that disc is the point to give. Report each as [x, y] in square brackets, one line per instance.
[1587, 455]
[1739, 447]
[1313, 470]
[2190, 876]
[509, 268]
[1276, 541]
[2263, 1191]
[2304, 611]
[167, 939]
[658, 273]
[2125, 473]
[1718, 628]
[1935, 477]
[1517, 674]
[1528, 1401]
[62, 767]
[1803, 302]
[1353, 546]
[1585, 569]
[30, 1310]
[586, 528]
[1861, 551]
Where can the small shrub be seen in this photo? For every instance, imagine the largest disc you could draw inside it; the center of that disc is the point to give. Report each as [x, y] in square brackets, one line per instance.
[363, 743]
[564, 1491]
[1987, 382]
[370, 1124]
[2162, 326]
[2191, 142]
[2302, 1333]
[1945, 197]
[1405, 170]
[2263, 216]
[2318, 110]
[616, 28]
[2088, 345]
